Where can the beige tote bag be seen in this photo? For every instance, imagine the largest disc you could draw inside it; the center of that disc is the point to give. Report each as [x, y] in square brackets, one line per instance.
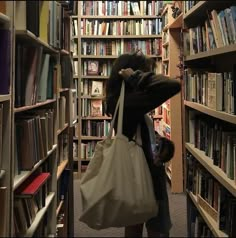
[117, 188]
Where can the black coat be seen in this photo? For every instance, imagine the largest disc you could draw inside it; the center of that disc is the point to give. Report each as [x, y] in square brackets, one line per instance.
[151, 93]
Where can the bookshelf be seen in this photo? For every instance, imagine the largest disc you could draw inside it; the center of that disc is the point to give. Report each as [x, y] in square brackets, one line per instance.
[6, 42]
[171, 123]
[36, 181]
[210, 120]
[117, 30]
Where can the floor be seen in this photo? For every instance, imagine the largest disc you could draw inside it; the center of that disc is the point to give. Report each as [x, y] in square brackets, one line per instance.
[177, 209]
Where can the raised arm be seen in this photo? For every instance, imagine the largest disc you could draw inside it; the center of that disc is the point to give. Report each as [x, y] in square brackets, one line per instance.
[150, 91]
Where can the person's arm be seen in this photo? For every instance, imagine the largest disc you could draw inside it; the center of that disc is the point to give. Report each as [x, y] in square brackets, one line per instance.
[150, 91]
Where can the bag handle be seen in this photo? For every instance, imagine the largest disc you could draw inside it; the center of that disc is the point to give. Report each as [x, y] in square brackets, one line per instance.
[120, 106]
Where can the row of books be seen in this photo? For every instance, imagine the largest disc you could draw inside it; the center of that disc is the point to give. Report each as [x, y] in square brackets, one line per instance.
[198, 226]
[38, 75]
[121, 46]
[121, 27]
[95, 128]
[92, 107]
[5, 49]
[95, 67]
[216, 200]
[29, 198]
[36, 130]
[46, 20]
[217, 141]
[62, 112]
[121, 8]
[1, 134]
[87, 150]
[63, 151]
[219, 30]
[92, 87]
[187, 5]
[35, 75]
[212, 89]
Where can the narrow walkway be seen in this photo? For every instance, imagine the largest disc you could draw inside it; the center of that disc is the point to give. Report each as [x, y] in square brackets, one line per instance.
[178, 215]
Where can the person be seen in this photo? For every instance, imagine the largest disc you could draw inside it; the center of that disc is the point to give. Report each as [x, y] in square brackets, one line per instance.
[144, 91]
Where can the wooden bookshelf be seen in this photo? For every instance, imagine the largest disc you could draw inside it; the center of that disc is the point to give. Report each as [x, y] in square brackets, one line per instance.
[82, 57]
[170, 57]
[201, 163]
[28, 24]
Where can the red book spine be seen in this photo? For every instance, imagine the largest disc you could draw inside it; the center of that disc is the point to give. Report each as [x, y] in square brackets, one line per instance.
[35, 185]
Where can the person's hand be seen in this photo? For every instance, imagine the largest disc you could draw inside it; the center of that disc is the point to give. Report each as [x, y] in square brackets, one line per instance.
[126, 73]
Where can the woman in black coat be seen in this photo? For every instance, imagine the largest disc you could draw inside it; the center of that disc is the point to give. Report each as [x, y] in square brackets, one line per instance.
[144, 91]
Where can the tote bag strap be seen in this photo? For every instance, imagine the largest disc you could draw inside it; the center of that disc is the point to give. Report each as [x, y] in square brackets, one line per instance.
[137, 138]
[120, 106]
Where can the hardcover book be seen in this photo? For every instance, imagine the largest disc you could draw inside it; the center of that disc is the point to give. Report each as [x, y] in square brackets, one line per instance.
[96, 108]
[93, 66]
[97, 88]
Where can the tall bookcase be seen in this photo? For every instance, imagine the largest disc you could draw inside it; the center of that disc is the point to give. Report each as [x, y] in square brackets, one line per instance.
[171, 123]
[6, 43]
[36, 169]
[210, 121]
[105, 30]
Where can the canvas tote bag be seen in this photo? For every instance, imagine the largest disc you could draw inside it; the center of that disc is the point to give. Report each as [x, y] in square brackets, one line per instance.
[116, 188]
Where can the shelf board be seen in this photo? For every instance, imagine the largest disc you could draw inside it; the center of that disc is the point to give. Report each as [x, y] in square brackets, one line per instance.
[64, 52]
[59, 131]
[61, 167]
[20, 178]
[4, 98]
[193, 11]
[59, 207]
[166, 60]
[74, 122]
[119, 36]
[157, 117]
[211, 223]
[111, 56]
[118, 17]
[40, 214]
[93, 138]
[40, 104]
[2, 173]
[99, 56]
[217, 114]
[61, 90]
[28, 36]
[90, 97]
[198, 12]
[177, 23]
[213, 52]
[214, 170]
[94, 77]
[96, 118]
[4, 18]
[165, 44]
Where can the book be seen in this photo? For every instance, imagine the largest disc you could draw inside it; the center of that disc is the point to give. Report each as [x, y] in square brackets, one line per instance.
[5, 60]
[93, 67]
[96, 108]
[1, 134]
[33, 187]
[42, 87]
[3, 211]
[215, 91]
[97, 88]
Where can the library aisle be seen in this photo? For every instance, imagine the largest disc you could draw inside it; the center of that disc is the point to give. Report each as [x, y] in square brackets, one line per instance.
[178, 212]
